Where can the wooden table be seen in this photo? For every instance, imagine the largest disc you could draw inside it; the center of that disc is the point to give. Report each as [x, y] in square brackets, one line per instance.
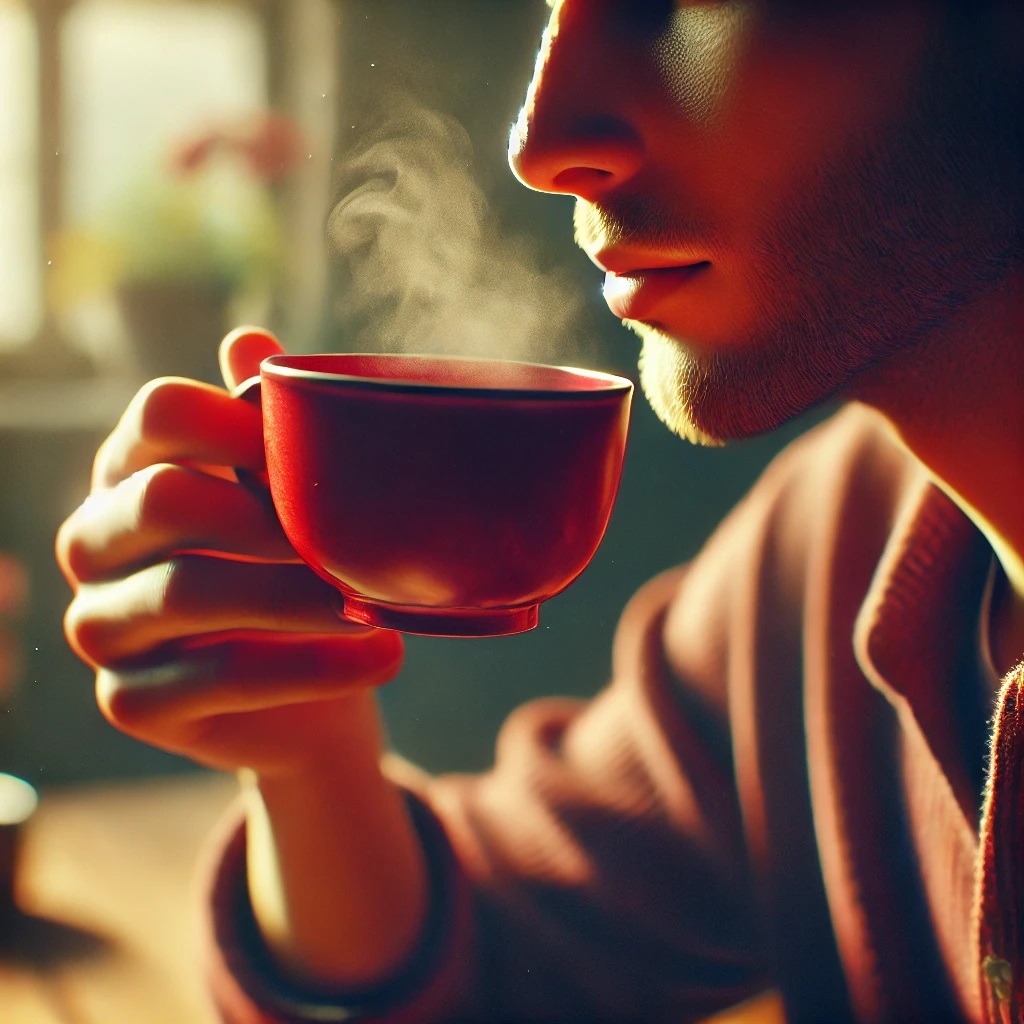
[108, 934]
[110, 924]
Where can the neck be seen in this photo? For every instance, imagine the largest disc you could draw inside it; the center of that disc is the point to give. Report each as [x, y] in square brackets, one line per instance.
[966, 425]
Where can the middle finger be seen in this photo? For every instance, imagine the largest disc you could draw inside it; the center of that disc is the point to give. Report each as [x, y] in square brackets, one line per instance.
[167, 509]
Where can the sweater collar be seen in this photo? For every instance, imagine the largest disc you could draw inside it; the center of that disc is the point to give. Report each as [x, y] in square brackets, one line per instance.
[909, 636]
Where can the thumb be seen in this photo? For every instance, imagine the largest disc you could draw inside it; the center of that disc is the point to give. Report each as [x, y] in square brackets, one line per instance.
[242, 351]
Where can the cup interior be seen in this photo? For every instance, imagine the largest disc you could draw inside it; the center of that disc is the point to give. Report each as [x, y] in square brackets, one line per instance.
[445, 373]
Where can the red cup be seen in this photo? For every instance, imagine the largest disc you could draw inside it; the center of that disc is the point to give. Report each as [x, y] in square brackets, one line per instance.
[440, 495]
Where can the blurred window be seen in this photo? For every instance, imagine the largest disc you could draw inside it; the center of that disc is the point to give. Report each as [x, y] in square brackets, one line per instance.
[20, 254]
[91, 93]
[139, 77]
[95, 95]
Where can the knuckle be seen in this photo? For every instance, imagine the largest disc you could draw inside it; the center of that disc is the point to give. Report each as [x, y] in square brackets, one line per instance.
[110, 697]
[177, 592]
[118, 702]
[102, 460]
[85, 632]
[156, 406]
[157, 486]
[149, 703]
[71, 551]
[149, 417]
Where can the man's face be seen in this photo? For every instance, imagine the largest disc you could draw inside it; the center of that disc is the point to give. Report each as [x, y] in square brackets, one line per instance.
[783, 193]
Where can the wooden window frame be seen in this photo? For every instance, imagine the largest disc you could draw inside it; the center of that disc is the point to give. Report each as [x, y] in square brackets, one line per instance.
[287, 25]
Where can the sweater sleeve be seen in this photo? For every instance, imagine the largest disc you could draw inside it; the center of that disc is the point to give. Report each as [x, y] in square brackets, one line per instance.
[596, 873]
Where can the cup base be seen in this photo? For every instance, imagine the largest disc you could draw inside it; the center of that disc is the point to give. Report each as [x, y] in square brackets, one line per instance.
[450, 622]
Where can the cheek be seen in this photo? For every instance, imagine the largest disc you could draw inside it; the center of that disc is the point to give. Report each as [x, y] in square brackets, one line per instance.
[697, 60]
[801, 102]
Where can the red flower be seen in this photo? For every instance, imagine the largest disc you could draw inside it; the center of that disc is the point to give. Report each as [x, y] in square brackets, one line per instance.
[271, 146]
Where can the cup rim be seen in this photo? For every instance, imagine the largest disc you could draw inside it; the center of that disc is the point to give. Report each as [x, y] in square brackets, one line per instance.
[613, 385]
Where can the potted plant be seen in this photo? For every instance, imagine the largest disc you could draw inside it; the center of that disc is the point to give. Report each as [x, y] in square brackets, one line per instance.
[200, 237]
[191, 244]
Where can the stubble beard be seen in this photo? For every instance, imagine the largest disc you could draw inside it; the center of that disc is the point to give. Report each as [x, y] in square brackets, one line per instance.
[870, 257]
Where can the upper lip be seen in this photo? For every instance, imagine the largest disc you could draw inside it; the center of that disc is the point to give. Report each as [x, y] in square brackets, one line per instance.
[623, 262]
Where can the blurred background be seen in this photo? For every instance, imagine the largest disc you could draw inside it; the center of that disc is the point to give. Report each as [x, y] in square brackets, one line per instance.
[167, 169]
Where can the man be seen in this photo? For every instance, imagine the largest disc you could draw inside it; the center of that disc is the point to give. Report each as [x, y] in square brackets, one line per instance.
[781, 785]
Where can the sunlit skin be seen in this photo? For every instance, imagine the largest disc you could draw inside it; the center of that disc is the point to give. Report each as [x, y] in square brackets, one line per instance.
[841, 181]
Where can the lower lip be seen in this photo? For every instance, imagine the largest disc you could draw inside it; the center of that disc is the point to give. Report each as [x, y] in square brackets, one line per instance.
[635, 295]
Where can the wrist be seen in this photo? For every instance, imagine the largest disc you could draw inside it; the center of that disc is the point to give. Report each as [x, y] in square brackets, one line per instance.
[338, 737]
[425, 976]
[337, 877]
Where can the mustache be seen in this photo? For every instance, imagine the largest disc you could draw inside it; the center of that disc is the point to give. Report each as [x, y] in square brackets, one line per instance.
[635, 221]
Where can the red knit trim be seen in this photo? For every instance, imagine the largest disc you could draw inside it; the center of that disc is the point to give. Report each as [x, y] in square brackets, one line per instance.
[1000, 898]
[244, 996]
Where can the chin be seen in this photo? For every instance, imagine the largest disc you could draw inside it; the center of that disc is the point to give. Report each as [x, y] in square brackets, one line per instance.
[711, 399]
[672, 382]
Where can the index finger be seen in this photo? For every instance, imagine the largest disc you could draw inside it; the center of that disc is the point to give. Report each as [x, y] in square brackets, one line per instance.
[180, 421]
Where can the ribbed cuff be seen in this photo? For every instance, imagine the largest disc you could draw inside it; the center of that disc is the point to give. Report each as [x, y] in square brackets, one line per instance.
[249, 988]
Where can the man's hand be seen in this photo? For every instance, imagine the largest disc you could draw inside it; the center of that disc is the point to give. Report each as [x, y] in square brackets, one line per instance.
[209, 637]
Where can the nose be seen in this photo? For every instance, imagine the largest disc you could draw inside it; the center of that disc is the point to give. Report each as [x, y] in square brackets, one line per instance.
[574, 135]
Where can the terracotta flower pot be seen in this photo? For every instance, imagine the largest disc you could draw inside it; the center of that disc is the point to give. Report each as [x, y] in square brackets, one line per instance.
[175, 326]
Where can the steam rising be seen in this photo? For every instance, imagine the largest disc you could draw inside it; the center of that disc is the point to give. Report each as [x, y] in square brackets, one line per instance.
[425, 267]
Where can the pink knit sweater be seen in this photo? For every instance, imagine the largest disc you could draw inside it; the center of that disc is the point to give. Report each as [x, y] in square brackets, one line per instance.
[794, 780]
